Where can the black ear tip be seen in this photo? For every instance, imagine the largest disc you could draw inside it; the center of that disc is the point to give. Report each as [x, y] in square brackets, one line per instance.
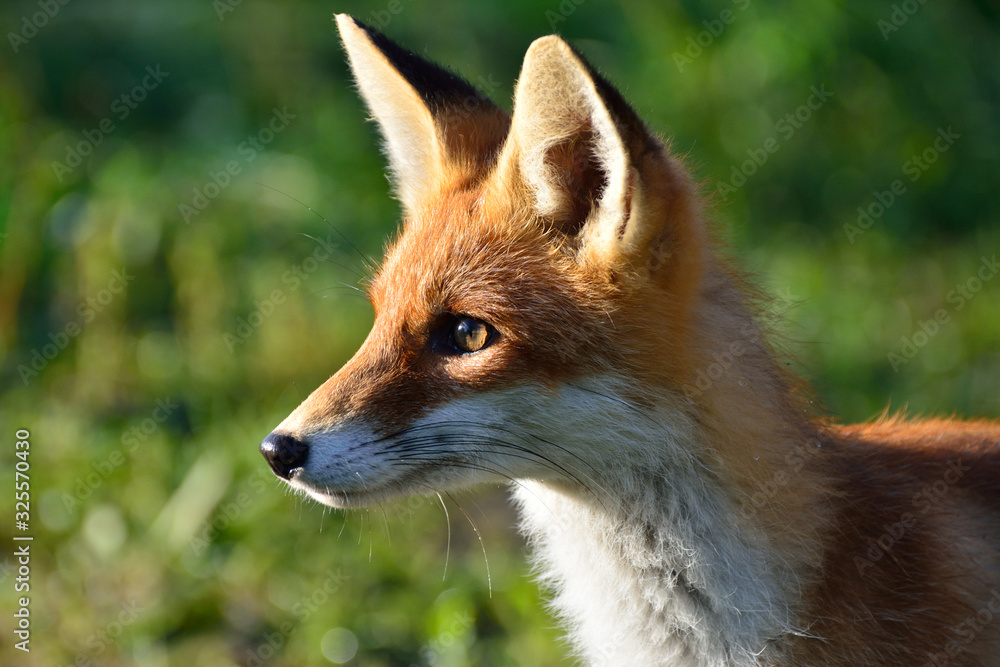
[435, 84]
[638, 134]
[376, 36]
[346, 21]
[361, 24]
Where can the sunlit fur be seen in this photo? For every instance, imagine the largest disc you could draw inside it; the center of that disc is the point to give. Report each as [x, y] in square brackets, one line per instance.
[685, 503]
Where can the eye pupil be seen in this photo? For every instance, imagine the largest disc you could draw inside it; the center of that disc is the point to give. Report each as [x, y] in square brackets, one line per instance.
[470, 335]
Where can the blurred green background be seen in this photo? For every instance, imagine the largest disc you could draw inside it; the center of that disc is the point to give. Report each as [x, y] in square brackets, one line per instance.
[165, 300]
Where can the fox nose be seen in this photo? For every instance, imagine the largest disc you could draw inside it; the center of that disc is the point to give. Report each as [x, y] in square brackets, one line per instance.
[284, 453]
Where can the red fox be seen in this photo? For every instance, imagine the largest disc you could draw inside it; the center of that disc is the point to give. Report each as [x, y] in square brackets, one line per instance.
[554, 313]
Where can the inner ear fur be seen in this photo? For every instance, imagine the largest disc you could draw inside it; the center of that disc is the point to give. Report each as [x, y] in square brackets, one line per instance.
[592, 170]
[436, 126]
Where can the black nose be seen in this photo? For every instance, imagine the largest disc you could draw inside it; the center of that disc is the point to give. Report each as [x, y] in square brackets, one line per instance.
[284, 453]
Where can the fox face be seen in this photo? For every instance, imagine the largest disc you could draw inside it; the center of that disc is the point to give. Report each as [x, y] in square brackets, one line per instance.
[533, 257]
[436, 395]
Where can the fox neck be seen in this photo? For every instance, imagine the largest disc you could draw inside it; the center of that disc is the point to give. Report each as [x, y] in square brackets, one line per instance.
[668, 568]
[664, 558]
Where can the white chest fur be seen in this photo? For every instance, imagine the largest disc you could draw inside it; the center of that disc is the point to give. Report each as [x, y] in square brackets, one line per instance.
[664, 581]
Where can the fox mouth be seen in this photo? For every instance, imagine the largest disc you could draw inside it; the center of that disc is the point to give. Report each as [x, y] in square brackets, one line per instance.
[341, 499]
[356, 494]
[351, 498]
[292, 460]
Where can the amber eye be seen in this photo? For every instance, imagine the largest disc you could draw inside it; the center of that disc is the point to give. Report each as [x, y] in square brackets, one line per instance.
[470, 335]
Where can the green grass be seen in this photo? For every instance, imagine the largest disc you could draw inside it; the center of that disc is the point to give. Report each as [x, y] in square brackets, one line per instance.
[147, 488]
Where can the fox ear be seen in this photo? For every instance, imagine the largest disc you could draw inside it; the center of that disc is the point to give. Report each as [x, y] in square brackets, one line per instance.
[589, 165]
[436, 126]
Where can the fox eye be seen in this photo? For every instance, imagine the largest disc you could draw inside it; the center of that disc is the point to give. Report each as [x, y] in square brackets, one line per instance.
[470, 335]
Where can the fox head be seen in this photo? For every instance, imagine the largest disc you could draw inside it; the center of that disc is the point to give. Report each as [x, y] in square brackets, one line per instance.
[537, 298]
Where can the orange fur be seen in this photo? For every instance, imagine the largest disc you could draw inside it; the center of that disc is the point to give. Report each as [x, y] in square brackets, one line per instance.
[888, 531]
